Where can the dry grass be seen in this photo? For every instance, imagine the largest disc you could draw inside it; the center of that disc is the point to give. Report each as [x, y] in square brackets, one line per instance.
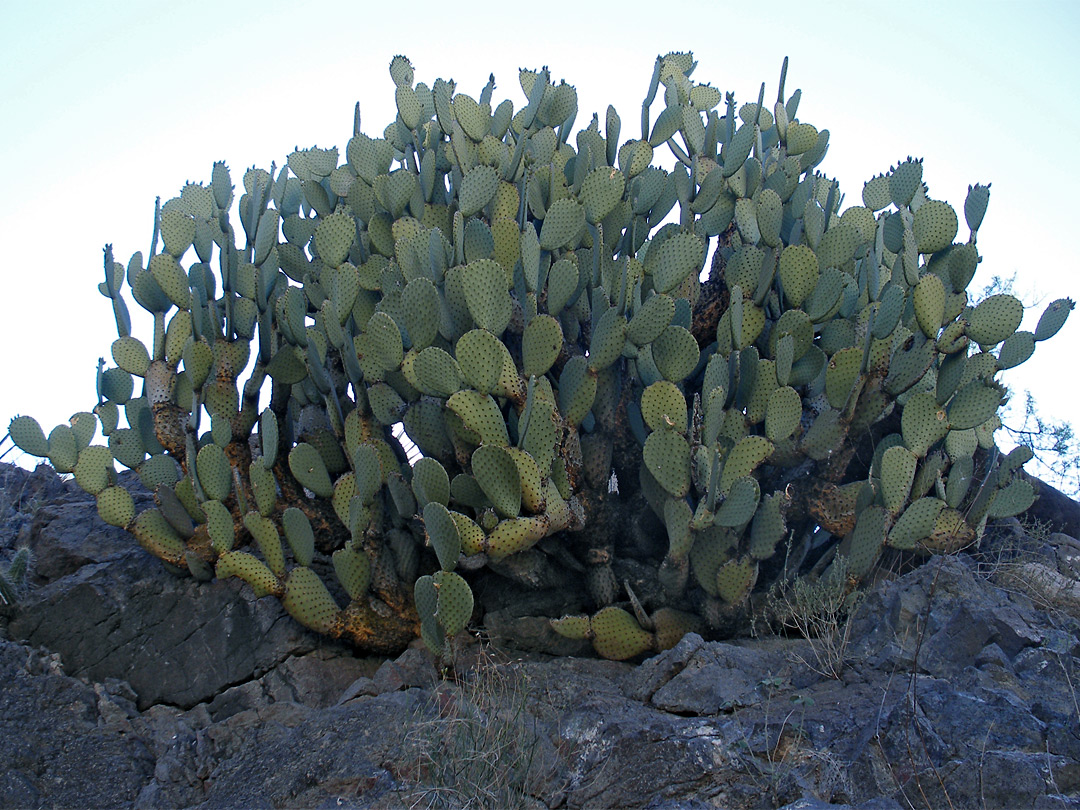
[819, 610]
[473, 744]
[1013, 563]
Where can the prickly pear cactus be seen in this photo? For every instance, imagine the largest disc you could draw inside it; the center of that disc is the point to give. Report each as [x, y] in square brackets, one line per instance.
[523, 305]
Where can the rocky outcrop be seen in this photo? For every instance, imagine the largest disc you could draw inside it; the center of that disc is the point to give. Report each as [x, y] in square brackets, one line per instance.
[125, 686]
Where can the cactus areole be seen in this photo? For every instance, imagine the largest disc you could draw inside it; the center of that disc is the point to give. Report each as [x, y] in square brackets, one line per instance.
[597, 417]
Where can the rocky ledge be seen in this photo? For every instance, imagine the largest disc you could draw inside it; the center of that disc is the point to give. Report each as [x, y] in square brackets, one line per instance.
[124, 686]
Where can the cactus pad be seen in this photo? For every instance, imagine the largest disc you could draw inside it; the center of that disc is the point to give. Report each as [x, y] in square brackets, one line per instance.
[934, 226]
[308, 601]
[995, 319]
[617, 634]
[115, 506]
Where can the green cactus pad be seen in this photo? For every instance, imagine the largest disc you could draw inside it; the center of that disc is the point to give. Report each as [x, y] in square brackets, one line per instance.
[515, 534]
[541, 343]
[333, 238]
[28, 436]
[532, 482]
[171, 279]
[743, 459]
[482, 358]
[430, 483]
[908, 364]
[961, 475]
[299, 535]
[650, 319]
[973, 404]
[934, 226]
[837, 245]
[174, 511]
[635, 157]
[116, 506]
[863, 546]
[783, 413]
[177, 231]
[916, 524]
[904, 181]
[601, 191]
[841, 375]
[497, 475]
[577, 389]
[1017, 497]
[480, 413]
[670, 625]
[127, 447]
[575, 627]
[131, 355]
[663, 405]
[250, 569]
[442, 533]
[93, 470]
[438, 373]
[269, 541]
[387, 406]
[667, 457]
[675, 353]
[897, 473]
[263, 486]
[367, 471]
[746, 221]
[420, 304]
[214, 472]
[477, 190]
[797, 324]
[677, 517]
[485, 292]
[951, 533]
[608, 340]
[677, 258]
[995, 319]
[563, 222]
[83, 426]
[875, 193]
[426, 598]
[798, 273]
[740, 504]
[1016, 348]
[929, 302]
[159, 538]
[470, 534]
[960, 443]
[307, 600]
[158, 470]
[562, 283]
[616, 634]
[308, 468]
[735, 579]
[384, 341]
[923, 423]
[219, 524]
[975, 205]
[353, 571]
[1053, 318]
[454, 601]
[825, 436]
[768, 527]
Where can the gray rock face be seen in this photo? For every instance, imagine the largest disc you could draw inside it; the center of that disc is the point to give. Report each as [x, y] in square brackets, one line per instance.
[124, 686]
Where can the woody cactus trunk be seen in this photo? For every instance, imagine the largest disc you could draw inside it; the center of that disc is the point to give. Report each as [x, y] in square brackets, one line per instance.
[527, 308]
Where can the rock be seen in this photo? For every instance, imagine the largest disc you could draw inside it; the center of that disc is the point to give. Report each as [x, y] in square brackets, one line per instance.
[127, 686]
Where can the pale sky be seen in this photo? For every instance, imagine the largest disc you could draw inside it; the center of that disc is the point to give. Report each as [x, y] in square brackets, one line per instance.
[110, 104]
